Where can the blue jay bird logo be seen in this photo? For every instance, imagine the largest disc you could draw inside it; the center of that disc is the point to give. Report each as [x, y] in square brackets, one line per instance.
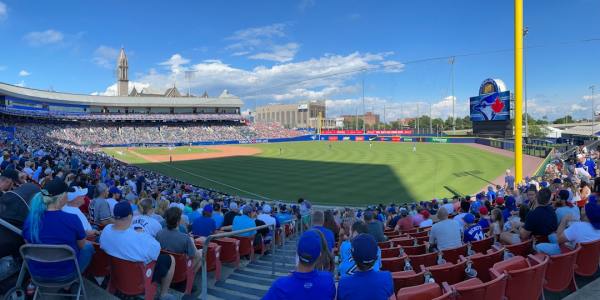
[489, 106]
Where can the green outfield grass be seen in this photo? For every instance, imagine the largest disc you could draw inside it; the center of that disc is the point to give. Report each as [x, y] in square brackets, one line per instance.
[347, 173]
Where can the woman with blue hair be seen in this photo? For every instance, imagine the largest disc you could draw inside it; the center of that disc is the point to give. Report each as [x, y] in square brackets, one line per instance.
[48, 224]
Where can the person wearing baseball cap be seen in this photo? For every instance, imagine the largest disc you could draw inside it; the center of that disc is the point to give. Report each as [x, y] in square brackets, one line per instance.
[121, 240]
[427, 221]
[347, 265]
[245, 221]
[473, 232]
[305, 282]
[205, 225]
[231, 214]
[265, 216]
[9, 179]
[484, 217]
[565, 205]
[74, 200]
[366, 283]
[48, 224]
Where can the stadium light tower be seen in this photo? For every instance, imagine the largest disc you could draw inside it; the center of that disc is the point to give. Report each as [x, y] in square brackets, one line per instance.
[592, 87]
[518, 69]
[451, 61]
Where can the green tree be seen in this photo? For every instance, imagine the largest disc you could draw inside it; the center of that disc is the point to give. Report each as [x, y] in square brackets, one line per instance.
[563, 120]
[537, 131]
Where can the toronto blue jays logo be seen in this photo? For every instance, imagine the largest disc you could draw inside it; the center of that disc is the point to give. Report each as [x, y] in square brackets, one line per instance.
[489, 106]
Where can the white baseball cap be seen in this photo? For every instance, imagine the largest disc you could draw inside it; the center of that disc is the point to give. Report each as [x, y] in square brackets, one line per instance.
[78, 192]
[266, 209]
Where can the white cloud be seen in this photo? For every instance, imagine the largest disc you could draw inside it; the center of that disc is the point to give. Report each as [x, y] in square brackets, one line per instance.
[24, 73]
[279, 53]
[578, 107]
[21, 83]
[589, 97]
[112, 90]
[3, 11]
[264, 43]
[106, 56]
[175, 62]
[41, 38]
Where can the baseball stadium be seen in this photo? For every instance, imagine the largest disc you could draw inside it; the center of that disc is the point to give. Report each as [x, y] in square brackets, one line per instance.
[150, 194]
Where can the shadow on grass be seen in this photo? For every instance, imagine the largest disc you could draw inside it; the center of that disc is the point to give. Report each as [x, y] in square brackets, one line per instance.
[286, 179]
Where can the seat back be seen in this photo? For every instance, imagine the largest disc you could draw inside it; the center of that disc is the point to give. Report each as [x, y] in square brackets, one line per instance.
[452, 255]
[483, 262]
[475, 289]
[448, 272]
[390, 252]
[384, 245]
[482, 246]
[414, 250]
[230, 250]
[427, 259]
[422, 239]
[404, 279]
[131, 278]
[524, 283]
[419, 234]
[588, 258]
[393, 264]
[425, 291]
[44, 253]
[100, 264]
[246, 245]
[560, 273]
[403, 242]
[521, 249]
[183, 270]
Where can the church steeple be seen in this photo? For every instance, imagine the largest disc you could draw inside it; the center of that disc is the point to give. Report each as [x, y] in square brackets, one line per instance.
[122, 69]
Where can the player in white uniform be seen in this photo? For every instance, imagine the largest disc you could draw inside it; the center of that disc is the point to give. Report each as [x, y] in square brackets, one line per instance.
[415, 147]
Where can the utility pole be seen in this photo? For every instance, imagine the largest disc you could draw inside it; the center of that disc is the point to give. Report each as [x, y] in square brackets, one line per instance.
[592, 87]
[453, 97]
[525, 31]
[384, 121]
[417, 119]
[430, 120]
[363, 100]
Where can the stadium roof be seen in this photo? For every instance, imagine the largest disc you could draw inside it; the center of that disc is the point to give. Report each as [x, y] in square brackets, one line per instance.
[224, 100]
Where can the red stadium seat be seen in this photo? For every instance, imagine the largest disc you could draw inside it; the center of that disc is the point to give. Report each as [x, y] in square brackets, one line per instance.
[213, 262]
[560, 273]
[100, 264]
[475, 289]
[414, 250]
[422, 239]
[246, 246]
[427, 259]
[289, 229]
[521, 249]
[230, 250]
[448, 272]
[482, 246]
[131, 278]
[425, 291]
[390, 252]
[393, 264]
[483, 262]
[525, 276]
[421, 229]
[414, 230]
[404, 279]
[402, 242]
[588, 259]
[453, 255]
[419, 234]
[384, 245]
[183, 270]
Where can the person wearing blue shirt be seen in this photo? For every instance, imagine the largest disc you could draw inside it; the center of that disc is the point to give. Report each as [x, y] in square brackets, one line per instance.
[347, 265]
[196, 212]
[245, 221]
[366, 283]
[218, 215]
[318, 218]
[305, 282]
[590, 167]
[205, 225]
[473, 232]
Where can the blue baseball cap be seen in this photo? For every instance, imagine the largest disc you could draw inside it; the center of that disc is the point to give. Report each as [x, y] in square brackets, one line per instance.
[122, 210]
[309, 246]
[469, 218]
[511, 203]
[115, 190]
[208, 208]
[592, 211]
[364, 248]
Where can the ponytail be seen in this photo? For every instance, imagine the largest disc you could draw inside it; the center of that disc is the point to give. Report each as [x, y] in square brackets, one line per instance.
[35, 217]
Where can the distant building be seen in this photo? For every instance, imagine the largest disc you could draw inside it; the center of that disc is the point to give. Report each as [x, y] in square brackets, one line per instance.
[369, 118]
[301, 115]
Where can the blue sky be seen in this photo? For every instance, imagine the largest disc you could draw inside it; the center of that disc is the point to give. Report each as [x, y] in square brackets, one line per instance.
[272, 51]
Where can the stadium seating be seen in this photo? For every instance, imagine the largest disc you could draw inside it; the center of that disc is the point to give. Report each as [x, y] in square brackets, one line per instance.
[131, 278]
[183, 270]
[403, 242]
[525, 276]
[453, 255]
[100, 264]
[482, 246]
[393, 264]
[560, 273]
[385, 245]
[483, 262]
[414, 250]
[475, 289]
[230, 250]
[427, 259]
[390, 252]
[521, 249]
[448, 272]
[213, 262]
[425, 291]
[246, 246]
[404, 279]
[588, 259]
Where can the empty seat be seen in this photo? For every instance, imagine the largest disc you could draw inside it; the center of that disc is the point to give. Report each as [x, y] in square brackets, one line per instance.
[475, 289]
[422, 239]
[404, 279]
[448, 272]
[521, 249]
[525, 276]
[390, 252]
[414, 230]
[246, 246]
[385, 245]
[427, 259]
[482, 246]
[414, 250]
[453, 255]
[483, 262]
[425, 291]
[213, 261]
[403, 241]
[588, 258]
[230, 250]
[560, 273]
[419, 234]
[393, 264]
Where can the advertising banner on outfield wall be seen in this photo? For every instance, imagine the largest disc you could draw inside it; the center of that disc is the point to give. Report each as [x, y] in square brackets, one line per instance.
[378, 132]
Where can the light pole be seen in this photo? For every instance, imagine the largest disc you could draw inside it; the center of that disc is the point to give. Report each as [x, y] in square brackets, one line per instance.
[592, 87]
[453, 99]
[363, 101]
[525, 31]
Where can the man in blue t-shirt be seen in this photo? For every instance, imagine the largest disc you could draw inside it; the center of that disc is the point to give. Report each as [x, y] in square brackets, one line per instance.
[347, 265]
[509, 181]
[205, 225]
[305, 282]
[245, 221]
[366, 283]
[473, 232]
[318, 219]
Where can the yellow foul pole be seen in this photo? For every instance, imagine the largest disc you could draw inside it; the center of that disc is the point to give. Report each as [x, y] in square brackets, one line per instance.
[518, 90]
